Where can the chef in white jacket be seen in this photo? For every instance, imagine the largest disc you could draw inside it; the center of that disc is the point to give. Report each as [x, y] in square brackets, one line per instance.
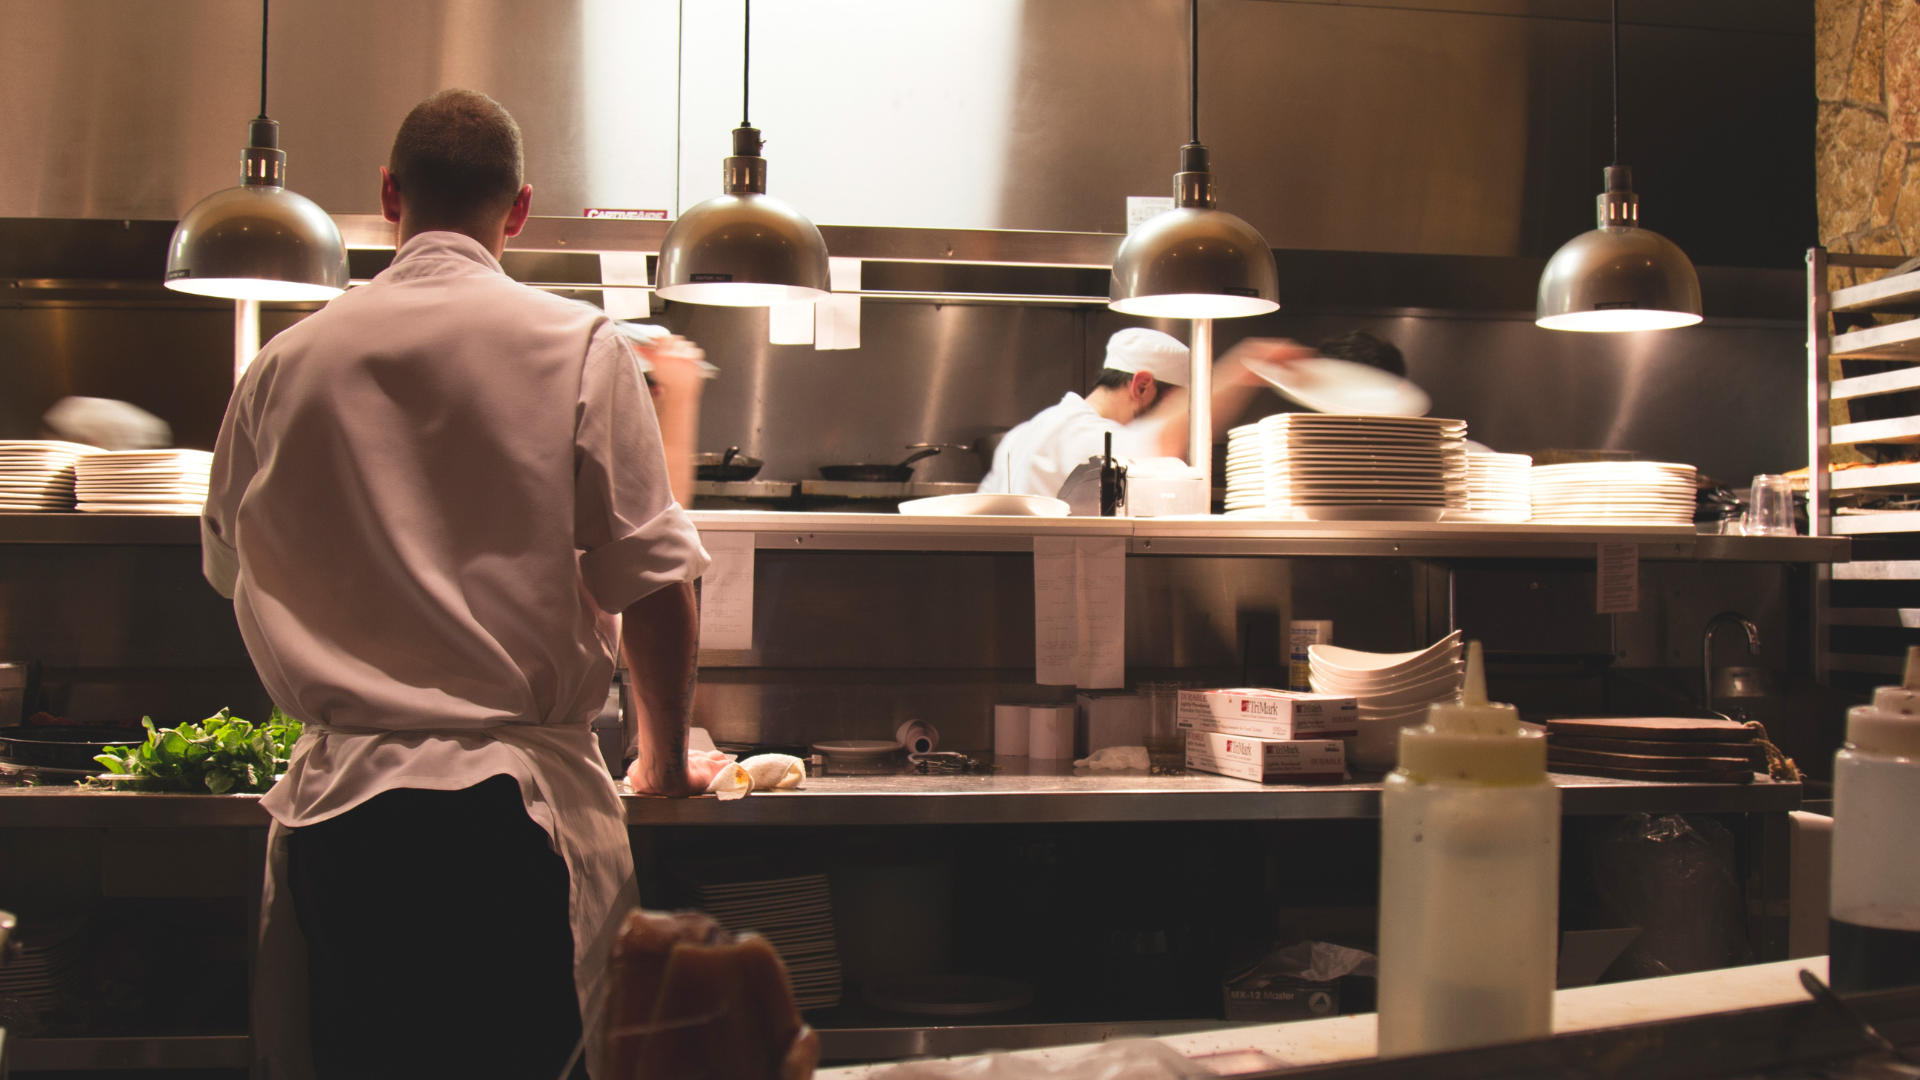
[1139, 398]
[428, 502]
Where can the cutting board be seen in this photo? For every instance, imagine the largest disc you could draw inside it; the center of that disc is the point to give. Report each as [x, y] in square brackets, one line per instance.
[1659, 749]
[1557, 755]
[1690, 777]
[1654, 729]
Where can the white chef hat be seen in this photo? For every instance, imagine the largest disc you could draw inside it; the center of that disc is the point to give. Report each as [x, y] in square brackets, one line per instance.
[1159, 355]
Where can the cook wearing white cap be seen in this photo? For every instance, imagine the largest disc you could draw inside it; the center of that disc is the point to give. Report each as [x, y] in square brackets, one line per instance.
[1140, 399]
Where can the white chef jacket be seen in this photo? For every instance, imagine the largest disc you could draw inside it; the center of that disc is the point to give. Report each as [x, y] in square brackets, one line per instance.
[1036, 457]
[428, 500]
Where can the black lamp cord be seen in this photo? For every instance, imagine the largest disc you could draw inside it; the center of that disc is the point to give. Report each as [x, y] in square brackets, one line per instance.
[1616, 83]
[263, 59]
[746, 57]
[1193, 73]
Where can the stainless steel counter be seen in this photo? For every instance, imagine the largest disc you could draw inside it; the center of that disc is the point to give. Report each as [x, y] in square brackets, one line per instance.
[1009, 797]
[1147, 536]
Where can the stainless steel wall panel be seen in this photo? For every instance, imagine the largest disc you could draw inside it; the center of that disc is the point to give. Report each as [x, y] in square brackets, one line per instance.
[946, 373]
[1464, 126]
[1727, 398]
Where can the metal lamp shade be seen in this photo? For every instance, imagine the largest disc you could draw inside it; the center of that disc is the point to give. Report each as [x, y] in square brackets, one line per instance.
[1617, 279]
[257, 242]
[743, 250]
[1194, 263]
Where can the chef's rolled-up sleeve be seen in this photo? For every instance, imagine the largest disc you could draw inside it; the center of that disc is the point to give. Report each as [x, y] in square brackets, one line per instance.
[234, 464]
[633, 538]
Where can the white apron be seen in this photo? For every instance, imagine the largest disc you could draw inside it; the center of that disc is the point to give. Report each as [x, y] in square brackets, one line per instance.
[567, 791]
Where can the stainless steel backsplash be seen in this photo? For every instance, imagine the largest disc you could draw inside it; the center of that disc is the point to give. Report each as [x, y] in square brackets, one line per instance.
[1455, 126]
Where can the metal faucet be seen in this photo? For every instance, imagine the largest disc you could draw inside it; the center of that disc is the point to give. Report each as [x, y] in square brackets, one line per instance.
[1706, 650]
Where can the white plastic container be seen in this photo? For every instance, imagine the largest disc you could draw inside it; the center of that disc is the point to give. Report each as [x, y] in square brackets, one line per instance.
[1873, 939]
[1469, 880]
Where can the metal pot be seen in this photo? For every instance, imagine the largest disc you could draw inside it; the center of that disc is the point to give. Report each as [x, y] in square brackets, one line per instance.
[731, 467]
[63, 747]
[885, 474]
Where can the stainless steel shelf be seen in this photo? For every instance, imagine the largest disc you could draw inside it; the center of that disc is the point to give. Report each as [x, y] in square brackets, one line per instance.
[1892, 295]
[1876, 476]
[1900, 521]
[1240, 536]
[1885, 382]
[1147, 536]
[143, 1052]
[1897, 429]
[1894, 341]
[1878, 570]
[99, 529]
[1024, 791]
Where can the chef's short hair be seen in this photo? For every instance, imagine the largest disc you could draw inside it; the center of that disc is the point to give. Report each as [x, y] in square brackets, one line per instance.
[1114, 379]
[457, 159]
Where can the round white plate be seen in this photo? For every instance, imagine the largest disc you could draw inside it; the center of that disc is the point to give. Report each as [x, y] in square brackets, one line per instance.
[1341, 386]
[858, 748]
[981, 504]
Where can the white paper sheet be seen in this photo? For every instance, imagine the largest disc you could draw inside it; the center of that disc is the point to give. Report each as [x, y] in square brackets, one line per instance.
[836, 320]
[1144, 208]
[726, 592]
[625, 268]
[1618, 578]
[1080, 611]
[790, 324]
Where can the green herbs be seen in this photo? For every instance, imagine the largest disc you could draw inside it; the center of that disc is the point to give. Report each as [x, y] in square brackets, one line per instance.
[221, 754]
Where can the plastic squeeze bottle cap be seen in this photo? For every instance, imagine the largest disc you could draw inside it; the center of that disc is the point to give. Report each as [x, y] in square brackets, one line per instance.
[1891, 725]
[1473, 740]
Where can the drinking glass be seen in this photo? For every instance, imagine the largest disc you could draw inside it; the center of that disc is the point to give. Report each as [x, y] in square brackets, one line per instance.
[1770, 507]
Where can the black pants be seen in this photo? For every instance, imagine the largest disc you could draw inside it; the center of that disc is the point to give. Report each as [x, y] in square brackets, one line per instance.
[437, 935]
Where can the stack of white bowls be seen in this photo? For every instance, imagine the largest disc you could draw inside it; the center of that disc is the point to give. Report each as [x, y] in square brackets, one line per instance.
[1392, 690]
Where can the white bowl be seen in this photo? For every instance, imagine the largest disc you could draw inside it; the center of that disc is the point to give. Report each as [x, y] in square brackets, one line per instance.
[1411, 714]
[1377, 747]
[1387, 682]
[1371, 665]
[979, 504]
[1423, 695]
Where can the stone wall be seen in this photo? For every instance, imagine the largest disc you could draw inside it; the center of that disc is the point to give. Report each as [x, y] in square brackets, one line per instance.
[1867, 143]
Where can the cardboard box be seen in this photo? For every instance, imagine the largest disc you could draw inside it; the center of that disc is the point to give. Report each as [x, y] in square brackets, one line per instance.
[1270, 714]
[1267, 761]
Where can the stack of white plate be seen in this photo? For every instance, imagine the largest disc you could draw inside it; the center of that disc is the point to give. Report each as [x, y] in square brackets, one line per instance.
[1246, 469]
[49, 966]
[1392, 690]
[1325, 467]
[1614, 493]
[795, 915]
[1498, 489]
[37, 474]
[143, 481]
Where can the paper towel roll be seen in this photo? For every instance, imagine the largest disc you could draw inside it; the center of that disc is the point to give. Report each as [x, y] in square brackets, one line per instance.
[1050, 732]
[1010, 726]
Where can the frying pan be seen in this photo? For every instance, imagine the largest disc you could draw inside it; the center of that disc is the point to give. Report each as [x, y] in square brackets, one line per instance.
[731, 467]
[63, 747]
[883, 474]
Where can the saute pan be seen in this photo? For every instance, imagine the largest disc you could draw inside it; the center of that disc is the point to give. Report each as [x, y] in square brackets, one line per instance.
[731, 467]
[63, 747]
[883, 474]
